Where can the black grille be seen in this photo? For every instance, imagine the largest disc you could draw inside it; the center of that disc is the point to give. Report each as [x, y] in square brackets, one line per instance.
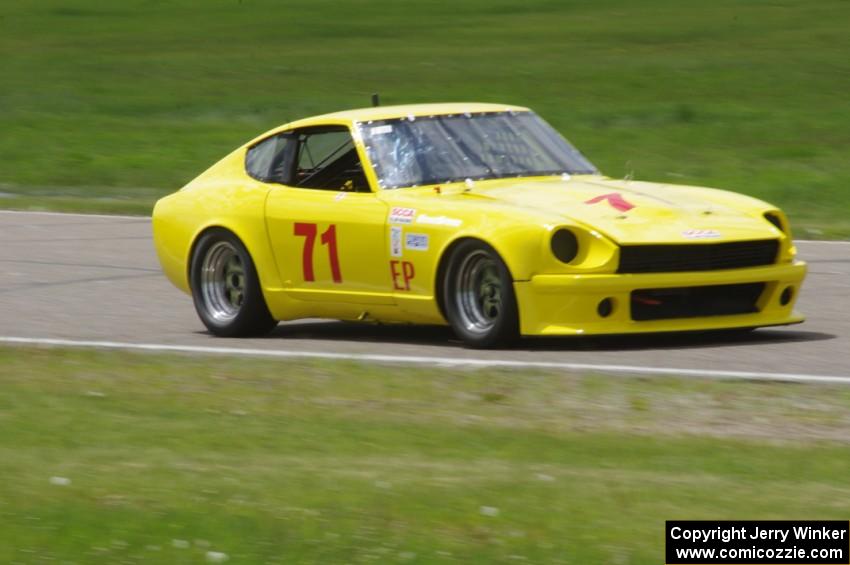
[697, 257]
[695, 302]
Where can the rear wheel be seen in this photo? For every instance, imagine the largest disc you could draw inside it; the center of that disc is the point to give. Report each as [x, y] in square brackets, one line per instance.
[479, 298]
[226, 289]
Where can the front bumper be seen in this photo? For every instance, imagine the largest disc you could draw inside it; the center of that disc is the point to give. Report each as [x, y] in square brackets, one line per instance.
[569, 304]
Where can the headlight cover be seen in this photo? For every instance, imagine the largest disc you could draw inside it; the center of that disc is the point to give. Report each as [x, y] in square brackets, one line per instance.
[776, 220]
[564, 245]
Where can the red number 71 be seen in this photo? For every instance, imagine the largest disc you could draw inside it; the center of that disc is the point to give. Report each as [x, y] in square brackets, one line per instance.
[309, 231]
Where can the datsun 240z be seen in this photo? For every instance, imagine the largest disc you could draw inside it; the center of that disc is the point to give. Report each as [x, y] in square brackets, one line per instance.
[480, 216]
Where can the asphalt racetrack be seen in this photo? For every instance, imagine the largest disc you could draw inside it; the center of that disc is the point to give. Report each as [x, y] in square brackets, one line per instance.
[79, 278]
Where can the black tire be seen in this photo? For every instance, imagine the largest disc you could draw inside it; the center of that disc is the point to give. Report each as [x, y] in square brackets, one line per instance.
[226, 288]
[478, 296]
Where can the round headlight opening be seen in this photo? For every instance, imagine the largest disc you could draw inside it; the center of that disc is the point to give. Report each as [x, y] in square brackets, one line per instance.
[564, 245]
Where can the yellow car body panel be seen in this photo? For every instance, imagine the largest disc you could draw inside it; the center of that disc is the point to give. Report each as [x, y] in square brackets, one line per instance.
[377, 255]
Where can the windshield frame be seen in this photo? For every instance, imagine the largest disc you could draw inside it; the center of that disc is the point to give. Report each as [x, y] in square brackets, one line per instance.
[551, 137]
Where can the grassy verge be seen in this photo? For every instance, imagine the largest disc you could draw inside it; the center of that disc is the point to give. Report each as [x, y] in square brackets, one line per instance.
[110, 457]
[746, 96]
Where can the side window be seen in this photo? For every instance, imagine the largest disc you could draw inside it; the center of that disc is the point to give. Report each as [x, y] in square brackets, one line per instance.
[327, 159]
[270, 160]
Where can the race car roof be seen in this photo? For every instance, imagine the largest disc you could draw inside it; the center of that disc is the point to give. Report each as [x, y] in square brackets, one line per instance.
[391, 112]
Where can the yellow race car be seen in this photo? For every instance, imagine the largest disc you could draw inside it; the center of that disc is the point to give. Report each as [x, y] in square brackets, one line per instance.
[477, 215]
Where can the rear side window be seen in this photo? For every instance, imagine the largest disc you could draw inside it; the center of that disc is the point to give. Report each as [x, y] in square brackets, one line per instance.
[270, 160]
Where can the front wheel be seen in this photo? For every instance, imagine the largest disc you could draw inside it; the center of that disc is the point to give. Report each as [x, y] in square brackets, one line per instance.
[479, 298]
[226, 288]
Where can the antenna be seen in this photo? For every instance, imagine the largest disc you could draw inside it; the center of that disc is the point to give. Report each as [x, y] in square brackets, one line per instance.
[376, 101]
[630, 174]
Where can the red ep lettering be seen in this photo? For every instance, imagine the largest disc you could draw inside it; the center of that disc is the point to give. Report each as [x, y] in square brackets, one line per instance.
[402, 272]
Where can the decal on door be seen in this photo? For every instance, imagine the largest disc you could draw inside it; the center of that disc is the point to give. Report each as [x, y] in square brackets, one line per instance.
[328, 238]
[402, 272]
[615, 199]
[438, 220]
[402, 215]
[395, 241]
[416, 241]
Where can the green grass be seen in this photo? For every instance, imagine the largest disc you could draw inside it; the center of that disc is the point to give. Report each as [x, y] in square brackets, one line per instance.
[170, 457]
[137, 97]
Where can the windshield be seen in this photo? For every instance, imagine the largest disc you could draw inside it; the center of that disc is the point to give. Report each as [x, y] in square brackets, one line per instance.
[419, 150]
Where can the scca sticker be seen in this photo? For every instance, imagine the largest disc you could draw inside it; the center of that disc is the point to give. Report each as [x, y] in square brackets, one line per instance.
[416, 241]
[402, 215]
[701, 234]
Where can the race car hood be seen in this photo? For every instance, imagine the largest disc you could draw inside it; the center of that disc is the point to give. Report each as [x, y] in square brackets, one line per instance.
[636, 212]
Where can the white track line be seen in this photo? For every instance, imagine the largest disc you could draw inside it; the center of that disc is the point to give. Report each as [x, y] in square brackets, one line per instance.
[434, 361]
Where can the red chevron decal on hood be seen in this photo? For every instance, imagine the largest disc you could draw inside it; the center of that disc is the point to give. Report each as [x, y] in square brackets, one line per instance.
[615, 199]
